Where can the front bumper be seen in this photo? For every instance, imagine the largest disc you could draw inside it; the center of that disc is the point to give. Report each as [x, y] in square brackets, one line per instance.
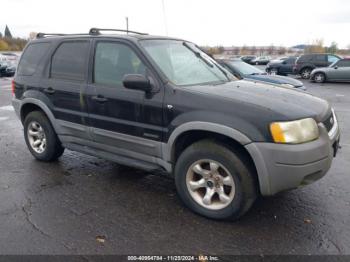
[282, 167]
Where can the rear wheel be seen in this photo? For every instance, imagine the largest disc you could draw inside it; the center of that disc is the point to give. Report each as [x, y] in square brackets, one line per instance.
[215, 181]
[41, 138]
[305, 73]
[319, 77]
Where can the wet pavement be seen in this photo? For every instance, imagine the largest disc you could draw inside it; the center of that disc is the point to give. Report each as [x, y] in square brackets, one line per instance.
[85, 205]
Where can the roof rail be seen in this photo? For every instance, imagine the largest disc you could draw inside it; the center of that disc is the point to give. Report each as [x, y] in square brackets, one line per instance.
[42, 35]
[97, 31]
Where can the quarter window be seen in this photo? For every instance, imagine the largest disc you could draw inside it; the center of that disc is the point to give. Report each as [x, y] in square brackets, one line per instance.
[332, 59]
[70, 60]
[113, 61]
[31, 58]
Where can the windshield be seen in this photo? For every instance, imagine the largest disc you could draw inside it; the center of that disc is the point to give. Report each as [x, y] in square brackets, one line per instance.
[183, 63]
[244, 68]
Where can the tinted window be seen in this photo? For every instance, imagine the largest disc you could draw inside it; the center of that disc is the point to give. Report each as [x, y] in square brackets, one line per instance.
[69, 61]
[304, 58]
[290, 60]
[31, 58]
[343, 63]
[113, 61]
[332, 58]
[319, 58]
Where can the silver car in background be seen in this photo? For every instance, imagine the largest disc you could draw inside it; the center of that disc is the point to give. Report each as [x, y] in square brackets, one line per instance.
[339, 71]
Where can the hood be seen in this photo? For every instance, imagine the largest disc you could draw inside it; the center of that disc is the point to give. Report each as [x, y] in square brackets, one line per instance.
[284, 103]
[275, 79]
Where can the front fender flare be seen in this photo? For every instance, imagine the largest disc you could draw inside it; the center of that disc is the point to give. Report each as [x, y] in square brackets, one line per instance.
[202, 126]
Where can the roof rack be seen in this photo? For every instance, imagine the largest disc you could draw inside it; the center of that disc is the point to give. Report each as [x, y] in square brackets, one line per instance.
[97, 31]
[93, 31]
[42, 35]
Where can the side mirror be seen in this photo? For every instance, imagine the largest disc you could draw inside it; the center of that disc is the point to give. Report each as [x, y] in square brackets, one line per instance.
[137, 82]
[336, 67]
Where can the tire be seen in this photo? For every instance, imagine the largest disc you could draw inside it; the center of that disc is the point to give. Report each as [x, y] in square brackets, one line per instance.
[38, 128]
[273, 71]
[305, 73]
[232, 166]
[319, 77]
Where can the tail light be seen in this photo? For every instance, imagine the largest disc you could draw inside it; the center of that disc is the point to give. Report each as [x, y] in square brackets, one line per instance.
[13, 86]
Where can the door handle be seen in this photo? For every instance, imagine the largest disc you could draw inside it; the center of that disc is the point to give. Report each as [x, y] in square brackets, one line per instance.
[49, 90]
[100, 99]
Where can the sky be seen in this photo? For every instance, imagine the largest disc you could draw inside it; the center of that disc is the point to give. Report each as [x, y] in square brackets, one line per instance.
[205, 22]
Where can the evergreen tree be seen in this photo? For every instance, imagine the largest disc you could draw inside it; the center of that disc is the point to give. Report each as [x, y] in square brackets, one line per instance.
[7, 32]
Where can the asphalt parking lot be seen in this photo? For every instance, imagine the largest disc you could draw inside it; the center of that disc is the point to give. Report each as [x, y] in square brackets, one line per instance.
[85, 205]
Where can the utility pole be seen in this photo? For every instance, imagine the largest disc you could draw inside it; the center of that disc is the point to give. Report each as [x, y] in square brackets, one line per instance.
[127, 25]
[164, 16]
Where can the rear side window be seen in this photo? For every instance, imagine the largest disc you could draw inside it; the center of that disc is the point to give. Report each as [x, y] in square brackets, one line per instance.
[31, 58]
[319, 58]
[70, 60]
[304, 59]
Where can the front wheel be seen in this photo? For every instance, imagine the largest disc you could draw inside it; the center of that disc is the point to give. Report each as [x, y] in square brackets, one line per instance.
[41, 138]
[319, 77]
[214, 181]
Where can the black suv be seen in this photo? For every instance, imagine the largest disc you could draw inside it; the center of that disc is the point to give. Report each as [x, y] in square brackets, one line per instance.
[160, 103]
[306, 63]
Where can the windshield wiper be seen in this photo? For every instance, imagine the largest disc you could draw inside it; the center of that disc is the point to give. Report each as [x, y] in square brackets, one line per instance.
[198, 54]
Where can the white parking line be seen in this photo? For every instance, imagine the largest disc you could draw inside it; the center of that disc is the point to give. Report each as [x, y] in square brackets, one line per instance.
[7, 108]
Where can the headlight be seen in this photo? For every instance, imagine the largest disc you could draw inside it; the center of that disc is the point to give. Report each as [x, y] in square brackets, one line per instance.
[288, 85]
[294, 132]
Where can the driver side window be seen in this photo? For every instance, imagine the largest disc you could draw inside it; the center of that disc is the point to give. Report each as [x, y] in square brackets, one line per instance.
[113, 61]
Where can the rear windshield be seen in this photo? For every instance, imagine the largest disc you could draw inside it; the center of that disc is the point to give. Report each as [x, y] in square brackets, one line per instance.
[31, 58]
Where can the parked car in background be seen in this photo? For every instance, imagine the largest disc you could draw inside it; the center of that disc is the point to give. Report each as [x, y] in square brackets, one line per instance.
[242, 70]
[339, 71]
[10, 56]
[282, 66]
[260, 60]
[248, 58]
[306, 63]
[7, 68]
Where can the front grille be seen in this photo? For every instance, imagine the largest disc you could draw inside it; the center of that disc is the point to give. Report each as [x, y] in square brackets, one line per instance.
[329, 122]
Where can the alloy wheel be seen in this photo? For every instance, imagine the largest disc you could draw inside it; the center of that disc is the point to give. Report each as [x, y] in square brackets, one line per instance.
[319, 78]
[210, 184]
[36, 137]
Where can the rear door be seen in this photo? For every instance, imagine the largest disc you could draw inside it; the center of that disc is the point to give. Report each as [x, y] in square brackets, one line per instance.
[64, 85]
[124, 121]
[320, 60]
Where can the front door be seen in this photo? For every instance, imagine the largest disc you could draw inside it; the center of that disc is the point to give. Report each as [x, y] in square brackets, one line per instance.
[340, 71]
[124, 121]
